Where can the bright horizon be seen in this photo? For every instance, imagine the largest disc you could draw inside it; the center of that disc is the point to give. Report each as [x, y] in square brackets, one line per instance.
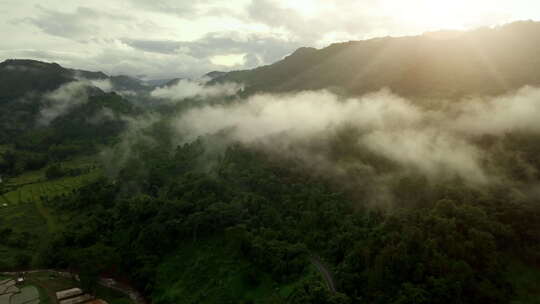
[169, 38]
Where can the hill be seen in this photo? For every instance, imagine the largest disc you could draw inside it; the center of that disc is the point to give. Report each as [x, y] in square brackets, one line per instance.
[287, 198]
[445, 64]
[19, 77]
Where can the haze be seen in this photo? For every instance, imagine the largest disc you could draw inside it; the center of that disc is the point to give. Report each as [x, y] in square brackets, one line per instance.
[165, 39]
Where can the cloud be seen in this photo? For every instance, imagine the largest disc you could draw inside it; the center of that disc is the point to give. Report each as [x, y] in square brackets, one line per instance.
[259, 48]
[60, 101]
[430, 151]
[103, 84]
[438, 143]
[115, 157]
[83, 23]
[172, 38]
[192, 8]
[193, 89]
[519, 111]
[351, 19]
[386, 125]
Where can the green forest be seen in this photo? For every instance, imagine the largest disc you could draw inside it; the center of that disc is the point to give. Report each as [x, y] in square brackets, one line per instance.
[241, 198]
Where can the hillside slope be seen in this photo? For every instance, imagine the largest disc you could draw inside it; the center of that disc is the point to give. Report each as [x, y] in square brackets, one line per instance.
[21, 77]
[445, 64]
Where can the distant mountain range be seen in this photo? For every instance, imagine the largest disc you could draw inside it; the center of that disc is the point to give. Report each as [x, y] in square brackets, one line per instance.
[19, 77]
[446, 64]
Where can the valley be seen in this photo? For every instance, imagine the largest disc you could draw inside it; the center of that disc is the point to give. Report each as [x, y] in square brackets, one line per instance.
[387, 170]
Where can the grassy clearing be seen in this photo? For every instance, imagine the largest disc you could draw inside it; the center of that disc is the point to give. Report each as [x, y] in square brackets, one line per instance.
[26, 225]
[4, 148]
[27, 178]
[27, 213]
[48, 188]
[44, 296]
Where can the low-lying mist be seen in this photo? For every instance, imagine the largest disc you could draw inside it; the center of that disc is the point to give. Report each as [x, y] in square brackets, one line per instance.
[60, 101]
[185, 88]
[368, 142]
[438, 143]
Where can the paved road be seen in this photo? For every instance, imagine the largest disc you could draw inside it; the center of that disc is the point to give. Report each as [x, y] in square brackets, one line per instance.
[325, 272]
[134, 295]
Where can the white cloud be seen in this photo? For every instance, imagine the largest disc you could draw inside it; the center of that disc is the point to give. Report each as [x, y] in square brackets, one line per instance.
[70, 95]
[140, 37]
[439, 144]
[62, 100]
[193, 89]
[519, 111]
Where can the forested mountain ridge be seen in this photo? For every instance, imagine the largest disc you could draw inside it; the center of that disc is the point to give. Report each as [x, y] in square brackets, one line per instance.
[45, 107]
[20, 77]
[445, 64]
[224, 195]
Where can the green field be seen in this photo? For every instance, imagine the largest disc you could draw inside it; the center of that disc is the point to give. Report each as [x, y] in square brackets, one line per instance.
[4, 148]
[24, 211]
[26, 225]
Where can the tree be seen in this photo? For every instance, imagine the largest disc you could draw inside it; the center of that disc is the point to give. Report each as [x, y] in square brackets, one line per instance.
[55, 171]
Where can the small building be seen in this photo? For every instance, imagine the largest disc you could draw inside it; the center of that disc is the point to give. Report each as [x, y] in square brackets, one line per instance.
[77, 300]
[97, 301]
[68, 293]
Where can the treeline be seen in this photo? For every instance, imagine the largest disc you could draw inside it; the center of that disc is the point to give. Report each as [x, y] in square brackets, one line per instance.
[81, 131]
[443, 65]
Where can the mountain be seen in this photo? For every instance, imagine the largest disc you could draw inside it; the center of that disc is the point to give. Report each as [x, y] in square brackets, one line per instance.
[285, 199]
[127, 83]
[442, 64]
[215, 74]
[42, 104]
[19, 77]
[157, 82]
[172, 82]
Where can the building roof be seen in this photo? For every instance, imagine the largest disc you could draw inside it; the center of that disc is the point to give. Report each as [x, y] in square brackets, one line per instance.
[76, 300]
[97, 301]
[68, 293]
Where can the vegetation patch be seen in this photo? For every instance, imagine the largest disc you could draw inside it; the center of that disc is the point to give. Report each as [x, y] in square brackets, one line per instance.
[209, 271]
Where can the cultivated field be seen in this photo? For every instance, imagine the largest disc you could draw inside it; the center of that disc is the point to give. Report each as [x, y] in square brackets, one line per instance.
[25, 220]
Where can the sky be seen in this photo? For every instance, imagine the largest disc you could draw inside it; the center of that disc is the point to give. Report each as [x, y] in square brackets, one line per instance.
[161, 39]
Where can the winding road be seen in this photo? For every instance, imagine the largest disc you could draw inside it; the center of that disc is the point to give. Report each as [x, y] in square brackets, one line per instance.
[325, 272]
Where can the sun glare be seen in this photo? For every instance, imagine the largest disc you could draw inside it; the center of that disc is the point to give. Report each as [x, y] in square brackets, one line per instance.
[307, 8]
[228, 60]
[436, 14]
